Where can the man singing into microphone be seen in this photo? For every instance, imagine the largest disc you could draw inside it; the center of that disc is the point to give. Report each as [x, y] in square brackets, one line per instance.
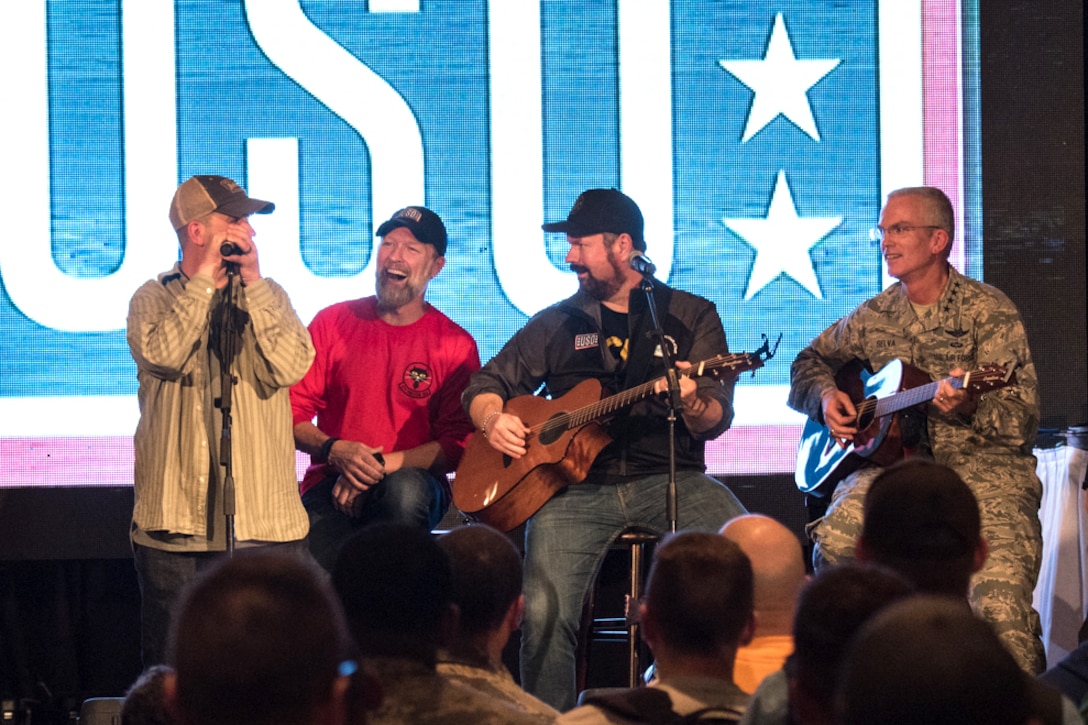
[603, 332]
[177, 337]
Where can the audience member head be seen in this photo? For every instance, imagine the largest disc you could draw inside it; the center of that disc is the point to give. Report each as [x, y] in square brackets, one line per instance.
[922, 520]
[145, 703]
[395, 584]
[698, 599]
[831, 609]
[778, 569]
[258, 638]
[928, 659]
[486, 570]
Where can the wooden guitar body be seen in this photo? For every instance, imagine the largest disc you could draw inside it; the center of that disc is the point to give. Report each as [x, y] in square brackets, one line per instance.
[554, 460]
[566, 438]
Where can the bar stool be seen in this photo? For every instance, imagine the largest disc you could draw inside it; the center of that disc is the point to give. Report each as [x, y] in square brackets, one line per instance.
[618, 629]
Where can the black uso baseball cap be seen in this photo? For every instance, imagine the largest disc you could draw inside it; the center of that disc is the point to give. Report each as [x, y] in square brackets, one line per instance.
[424, 224]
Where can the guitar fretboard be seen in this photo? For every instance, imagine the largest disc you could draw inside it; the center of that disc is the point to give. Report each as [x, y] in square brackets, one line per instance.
[907, 398]
[737, 363]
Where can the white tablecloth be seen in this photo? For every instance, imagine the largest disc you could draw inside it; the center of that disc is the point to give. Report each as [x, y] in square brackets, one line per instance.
[1061, 594]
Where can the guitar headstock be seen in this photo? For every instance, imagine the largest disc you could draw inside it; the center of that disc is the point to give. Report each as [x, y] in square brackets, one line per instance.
[989, 377]
[723, 366]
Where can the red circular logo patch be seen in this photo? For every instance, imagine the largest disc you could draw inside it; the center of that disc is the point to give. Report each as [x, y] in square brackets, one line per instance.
[416, 380]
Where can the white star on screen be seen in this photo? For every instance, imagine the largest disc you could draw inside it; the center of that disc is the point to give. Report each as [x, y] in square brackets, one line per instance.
[782, 242]
[779, 83]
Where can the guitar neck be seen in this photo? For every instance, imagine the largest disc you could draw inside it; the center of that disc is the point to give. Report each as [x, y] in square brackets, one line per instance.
[606, 406]
[908, 398]
[611, 404]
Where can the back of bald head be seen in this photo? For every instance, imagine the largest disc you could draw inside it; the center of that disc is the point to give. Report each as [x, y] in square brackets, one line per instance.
[778, 563]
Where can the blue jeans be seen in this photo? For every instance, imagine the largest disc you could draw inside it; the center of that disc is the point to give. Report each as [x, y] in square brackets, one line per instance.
[565, 543]
[163, 575]
[412, 496]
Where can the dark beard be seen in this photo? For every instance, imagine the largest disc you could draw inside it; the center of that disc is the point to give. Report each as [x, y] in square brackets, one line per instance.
[603, 289]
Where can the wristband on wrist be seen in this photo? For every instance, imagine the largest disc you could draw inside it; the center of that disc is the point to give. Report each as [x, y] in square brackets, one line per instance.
[326, 448]
[698, 408]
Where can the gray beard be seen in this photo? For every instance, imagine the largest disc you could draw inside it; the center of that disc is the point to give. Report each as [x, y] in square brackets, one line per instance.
[391, 298]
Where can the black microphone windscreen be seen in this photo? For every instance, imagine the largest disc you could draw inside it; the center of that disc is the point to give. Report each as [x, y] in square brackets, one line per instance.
[641, 263]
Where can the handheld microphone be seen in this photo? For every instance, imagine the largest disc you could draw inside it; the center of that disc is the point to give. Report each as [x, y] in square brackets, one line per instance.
[641, 263]
[229, 249]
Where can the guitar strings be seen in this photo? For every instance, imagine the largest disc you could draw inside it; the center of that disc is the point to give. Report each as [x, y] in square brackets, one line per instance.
[923, 393]
[578, 418]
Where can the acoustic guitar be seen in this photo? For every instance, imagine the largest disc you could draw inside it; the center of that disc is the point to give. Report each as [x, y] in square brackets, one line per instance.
[878, 397]
[565, 439]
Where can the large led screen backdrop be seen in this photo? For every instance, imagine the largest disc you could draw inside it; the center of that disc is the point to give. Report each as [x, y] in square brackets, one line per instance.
[759, 139]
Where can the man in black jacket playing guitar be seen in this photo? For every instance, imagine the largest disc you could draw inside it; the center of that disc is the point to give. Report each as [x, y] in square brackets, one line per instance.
[941, 323]
[600, 334]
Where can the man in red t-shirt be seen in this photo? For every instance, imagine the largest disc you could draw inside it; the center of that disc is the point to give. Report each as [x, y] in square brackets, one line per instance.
[379, 412]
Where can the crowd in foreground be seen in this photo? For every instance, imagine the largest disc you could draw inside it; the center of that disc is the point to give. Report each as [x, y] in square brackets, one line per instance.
[410, 628]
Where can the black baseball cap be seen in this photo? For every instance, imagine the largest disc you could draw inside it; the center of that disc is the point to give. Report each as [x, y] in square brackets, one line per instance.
[424, 224]
[602, 210]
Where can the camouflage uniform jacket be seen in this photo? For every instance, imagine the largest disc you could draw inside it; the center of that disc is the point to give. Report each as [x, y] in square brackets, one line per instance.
[413, 692]
[973, 324]
[496, 683]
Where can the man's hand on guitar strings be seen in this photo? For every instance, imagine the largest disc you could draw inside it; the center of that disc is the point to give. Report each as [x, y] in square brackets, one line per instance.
[507, 434]
[840, 417]
[950, 401]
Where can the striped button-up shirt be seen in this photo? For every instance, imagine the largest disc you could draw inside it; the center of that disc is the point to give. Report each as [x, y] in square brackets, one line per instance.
[178, 473]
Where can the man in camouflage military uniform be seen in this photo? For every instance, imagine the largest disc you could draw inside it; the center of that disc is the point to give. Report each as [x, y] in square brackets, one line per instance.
[396, 586]
[942, 323]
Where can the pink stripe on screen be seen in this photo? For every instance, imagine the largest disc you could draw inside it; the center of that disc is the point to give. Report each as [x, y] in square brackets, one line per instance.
[943, 109]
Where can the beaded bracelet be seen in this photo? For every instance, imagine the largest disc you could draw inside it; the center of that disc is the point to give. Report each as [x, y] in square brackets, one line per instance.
[492, 414]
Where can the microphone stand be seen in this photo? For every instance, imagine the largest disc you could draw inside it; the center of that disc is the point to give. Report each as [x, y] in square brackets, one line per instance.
[227, 350]
[674, 401]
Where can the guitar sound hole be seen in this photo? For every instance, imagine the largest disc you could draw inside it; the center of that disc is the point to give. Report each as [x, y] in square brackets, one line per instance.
[867, 417]
[551, 431]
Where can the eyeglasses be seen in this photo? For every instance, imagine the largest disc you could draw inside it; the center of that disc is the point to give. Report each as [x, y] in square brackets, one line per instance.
[877, 234]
